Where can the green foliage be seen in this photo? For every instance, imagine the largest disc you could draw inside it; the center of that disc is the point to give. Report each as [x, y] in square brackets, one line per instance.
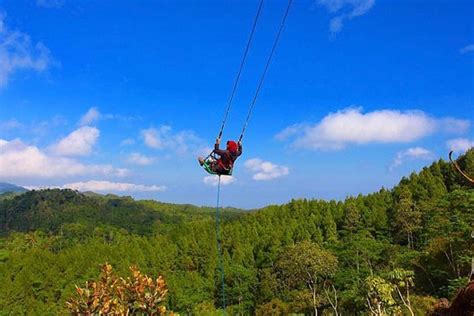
[422, 305]
[305, 264]
[353, 250]
[406, 216]
[380, 295]
[49, 210]
[273, 308]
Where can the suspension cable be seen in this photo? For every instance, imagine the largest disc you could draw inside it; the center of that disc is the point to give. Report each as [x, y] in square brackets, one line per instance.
[262, 78]
[242, 63]
[219, 245]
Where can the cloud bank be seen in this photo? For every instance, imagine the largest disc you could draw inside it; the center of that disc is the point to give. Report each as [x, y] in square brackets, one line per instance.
[19, 160]
[107, 186]
[352, 126]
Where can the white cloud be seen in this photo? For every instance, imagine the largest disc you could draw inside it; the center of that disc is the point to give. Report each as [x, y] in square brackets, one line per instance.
[92, 115]
[345, 10]
[78, 143]
[214, 180]
[107, 186]
[467, 49]
[181, 142]
[18, 160]
[139, 159]
[411, 154]
[265, 170]
[351, 126]
[17, 52]
[460, 145]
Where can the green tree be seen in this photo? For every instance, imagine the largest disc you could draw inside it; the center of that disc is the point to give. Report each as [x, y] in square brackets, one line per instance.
[240, 288]
[406, 217]
[403, 283]
[306, 265]
[351, 218]
[273, 308]
[379, 295]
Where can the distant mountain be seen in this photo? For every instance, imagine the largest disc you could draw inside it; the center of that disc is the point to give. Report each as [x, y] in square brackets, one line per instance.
[50, 209]
[8, 187]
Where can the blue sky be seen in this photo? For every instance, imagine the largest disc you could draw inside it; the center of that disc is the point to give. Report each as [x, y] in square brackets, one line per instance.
[121, 96]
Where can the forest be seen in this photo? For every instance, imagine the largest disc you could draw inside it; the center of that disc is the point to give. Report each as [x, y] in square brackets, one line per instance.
[395, 251]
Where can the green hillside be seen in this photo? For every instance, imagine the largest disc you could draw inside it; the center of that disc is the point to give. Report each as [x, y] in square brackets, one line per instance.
[416, 237]
[49, 210]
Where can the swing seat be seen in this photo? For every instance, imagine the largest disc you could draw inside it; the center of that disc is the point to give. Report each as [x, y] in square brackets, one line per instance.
[212, 159]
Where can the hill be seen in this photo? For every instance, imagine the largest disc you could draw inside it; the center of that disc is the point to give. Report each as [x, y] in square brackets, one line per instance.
[48, 210]
[8, 187]
[414, 238]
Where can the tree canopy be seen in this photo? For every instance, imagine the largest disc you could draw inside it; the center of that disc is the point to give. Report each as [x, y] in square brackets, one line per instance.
[392, 250]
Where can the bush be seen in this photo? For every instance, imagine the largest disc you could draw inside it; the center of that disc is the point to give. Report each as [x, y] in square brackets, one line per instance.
[112, 295]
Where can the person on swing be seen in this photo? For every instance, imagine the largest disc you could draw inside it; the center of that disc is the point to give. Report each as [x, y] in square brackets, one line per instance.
[225, 163]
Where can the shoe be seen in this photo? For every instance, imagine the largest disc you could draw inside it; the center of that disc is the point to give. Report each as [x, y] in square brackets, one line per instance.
[201, 160]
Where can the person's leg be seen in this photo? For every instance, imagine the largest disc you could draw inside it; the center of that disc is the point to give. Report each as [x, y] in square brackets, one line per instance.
[216, 167]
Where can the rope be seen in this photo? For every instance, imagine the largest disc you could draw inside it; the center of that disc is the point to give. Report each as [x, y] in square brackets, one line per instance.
[229, 106]
[262, 78]
[237, 79]
[219, 243]
[458, 169]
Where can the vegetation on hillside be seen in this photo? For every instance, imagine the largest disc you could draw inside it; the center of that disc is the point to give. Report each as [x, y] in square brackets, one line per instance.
[393, 251]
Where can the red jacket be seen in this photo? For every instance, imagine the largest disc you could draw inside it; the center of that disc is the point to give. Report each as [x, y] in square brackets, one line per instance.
[227, 157]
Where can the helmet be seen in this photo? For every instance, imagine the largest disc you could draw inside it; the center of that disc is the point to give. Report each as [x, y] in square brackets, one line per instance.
[232, 146]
